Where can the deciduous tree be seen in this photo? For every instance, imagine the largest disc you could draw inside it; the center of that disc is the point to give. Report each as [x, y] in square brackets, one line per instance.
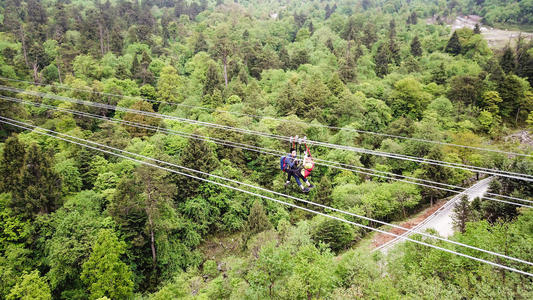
[104, 273]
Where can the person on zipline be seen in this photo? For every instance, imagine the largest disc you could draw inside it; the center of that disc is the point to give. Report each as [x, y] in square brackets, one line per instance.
[290, 164]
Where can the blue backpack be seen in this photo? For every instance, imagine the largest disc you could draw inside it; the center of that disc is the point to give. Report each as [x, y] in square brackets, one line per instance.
[283, 164]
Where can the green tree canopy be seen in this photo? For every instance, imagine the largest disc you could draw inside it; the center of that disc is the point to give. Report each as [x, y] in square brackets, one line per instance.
[104, 273]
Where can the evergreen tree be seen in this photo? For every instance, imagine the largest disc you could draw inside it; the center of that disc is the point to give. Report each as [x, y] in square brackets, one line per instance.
[145, 75]
[394, 50]
[414, 18]
[299, 57]
[369, 35]
[462, 213]
[493, 211]
[328, 11]
[351, 30]
[416, 47]
[392, 29]
[11, 164]
[335, 84]
[347, 70]
[454, 45]
[212, 79]
[200, 43]
[507, 61]
[104, 273]
[39, 188]
[196, 155]
[524, 67]
[496, 72]
[141, 206]
[165, 20]
[323, 191]
[135, 66]
[382, 60]
[466, 89]
[117, 40]
[477, 29]
[257, 219]
[329, 44]
[435, 173]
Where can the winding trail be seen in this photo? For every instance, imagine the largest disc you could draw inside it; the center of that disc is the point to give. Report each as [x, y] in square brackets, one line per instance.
[441, 220]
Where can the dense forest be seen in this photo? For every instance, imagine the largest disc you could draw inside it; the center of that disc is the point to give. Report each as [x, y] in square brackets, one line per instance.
[110, 110]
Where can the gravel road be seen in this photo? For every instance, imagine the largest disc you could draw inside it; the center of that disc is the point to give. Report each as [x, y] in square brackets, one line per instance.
[441, 220]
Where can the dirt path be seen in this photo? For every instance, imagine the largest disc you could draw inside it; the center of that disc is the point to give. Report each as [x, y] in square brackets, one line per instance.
[383, 238]
[496, 38]
[439, 219]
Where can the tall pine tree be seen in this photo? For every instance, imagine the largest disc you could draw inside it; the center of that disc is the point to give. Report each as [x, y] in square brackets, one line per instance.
[39, 188]
[507, 61]
[416, 47]
[197, 155]
[477, 30]
[11, 164]
[462, 213]
[454, 45]
[382, 60]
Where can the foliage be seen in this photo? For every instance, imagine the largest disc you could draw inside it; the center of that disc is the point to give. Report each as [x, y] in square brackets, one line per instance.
[104, 273]
[337, 235]
[335, 71]
[39, 186]
[31, 286]
[257, 220]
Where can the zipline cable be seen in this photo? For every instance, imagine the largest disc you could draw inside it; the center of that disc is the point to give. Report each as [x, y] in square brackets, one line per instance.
[66, 87]
[495, 172]
[51, 134]
[321, 162]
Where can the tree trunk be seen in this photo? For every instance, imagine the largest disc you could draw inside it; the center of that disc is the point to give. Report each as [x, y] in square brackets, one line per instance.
[59, 74]
[516, 117]
[35, 72]
[348, 51]
[108, 48]
[101, 32]
[24, 51]
[149, 214]
[225, 60]
[152, 242]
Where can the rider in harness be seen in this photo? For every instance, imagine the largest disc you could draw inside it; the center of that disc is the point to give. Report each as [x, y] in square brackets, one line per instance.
[291, 165]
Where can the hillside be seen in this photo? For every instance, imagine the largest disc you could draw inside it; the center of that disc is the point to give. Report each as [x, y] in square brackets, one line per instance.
[146, 149]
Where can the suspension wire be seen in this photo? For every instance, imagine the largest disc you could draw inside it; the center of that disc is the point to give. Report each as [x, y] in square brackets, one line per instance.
[51, 134]
[501, 173]
[279, 137]
[321, 162]
[66, 87]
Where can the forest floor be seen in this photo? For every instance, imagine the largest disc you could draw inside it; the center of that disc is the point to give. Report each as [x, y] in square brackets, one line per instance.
[382, 238]
[217, 247]
[496, 38]
[523, 137]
